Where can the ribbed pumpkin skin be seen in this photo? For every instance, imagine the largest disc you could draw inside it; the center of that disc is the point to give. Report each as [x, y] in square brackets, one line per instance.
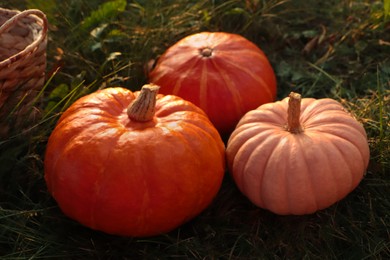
[130, 178]
[300, 173]
[235, 78]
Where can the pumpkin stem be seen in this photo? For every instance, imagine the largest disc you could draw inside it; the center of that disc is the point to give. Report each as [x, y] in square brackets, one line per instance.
[206, 52]
[294, 113]
[143, 107]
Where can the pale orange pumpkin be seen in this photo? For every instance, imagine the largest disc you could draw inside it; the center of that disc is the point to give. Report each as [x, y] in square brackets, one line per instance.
[132, 164]
[297, 156]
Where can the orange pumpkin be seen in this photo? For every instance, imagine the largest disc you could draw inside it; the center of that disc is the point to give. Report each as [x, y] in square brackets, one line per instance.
[224, 74]
[132, 164]
[297, 156]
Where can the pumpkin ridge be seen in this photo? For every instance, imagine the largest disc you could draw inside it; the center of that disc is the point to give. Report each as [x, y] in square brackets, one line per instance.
[144, 221]
[267, 175]
[66, 119]
[199, 199]
[172, 118]
[243, 137]
[80, 132]
[247, 146]
[246, 133]
[180, 106]
[319, 122]
[122, 104]
[247, 52]
[351, 176]
[193, 118]
[254, 155]
[228, 84]
[216, 38]
[335, 149]
[279, 115]
[171, 54]
[108, 101]
[349, 130]
[265, 116]
[87, 106]
[203, 86]
[69, 148]
[328, 117]
[322, 108]
[290, 158]
[199, 132]
[307, 170]
[95, 204]
[308, 107]
[201, 129]
[344, 155]
[257, 78]
[183, 77]
[326, 126]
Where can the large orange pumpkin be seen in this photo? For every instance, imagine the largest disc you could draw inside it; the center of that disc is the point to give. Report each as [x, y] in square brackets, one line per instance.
[297, 158]
[132, 164]
[224, 74]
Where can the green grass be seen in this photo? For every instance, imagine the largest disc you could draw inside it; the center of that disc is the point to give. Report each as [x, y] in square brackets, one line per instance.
[337, 49]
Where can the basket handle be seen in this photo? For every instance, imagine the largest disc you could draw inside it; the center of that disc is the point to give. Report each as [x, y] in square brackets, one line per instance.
[13, 20]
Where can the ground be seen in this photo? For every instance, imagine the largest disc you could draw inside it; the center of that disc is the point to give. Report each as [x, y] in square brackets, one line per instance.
[336, 49]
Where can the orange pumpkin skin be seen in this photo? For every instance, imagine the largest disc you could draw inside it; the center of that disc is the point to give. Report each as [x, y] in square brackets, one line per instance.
[298, 173]
[132, 178]
[224, 74]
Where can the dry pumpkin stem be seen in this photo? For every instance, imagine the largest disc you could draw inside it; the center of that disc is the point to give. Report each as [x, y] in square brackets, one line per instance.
[206, 52]
[294, 113]
[143, 107]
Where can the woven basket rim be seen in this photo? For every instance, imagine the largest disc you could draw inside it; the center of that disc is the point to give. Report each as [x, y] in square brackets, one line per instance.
[38, 16]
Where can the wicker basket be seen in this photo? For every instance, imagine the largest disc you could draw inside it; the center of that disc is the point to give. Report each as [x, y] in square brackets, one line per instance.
[23, 39]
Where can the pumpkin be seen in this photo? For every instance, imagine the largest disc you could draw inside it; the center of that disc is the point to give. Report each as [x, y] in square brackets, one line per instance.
[224, 74]
[298, 155]
[133, 164]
